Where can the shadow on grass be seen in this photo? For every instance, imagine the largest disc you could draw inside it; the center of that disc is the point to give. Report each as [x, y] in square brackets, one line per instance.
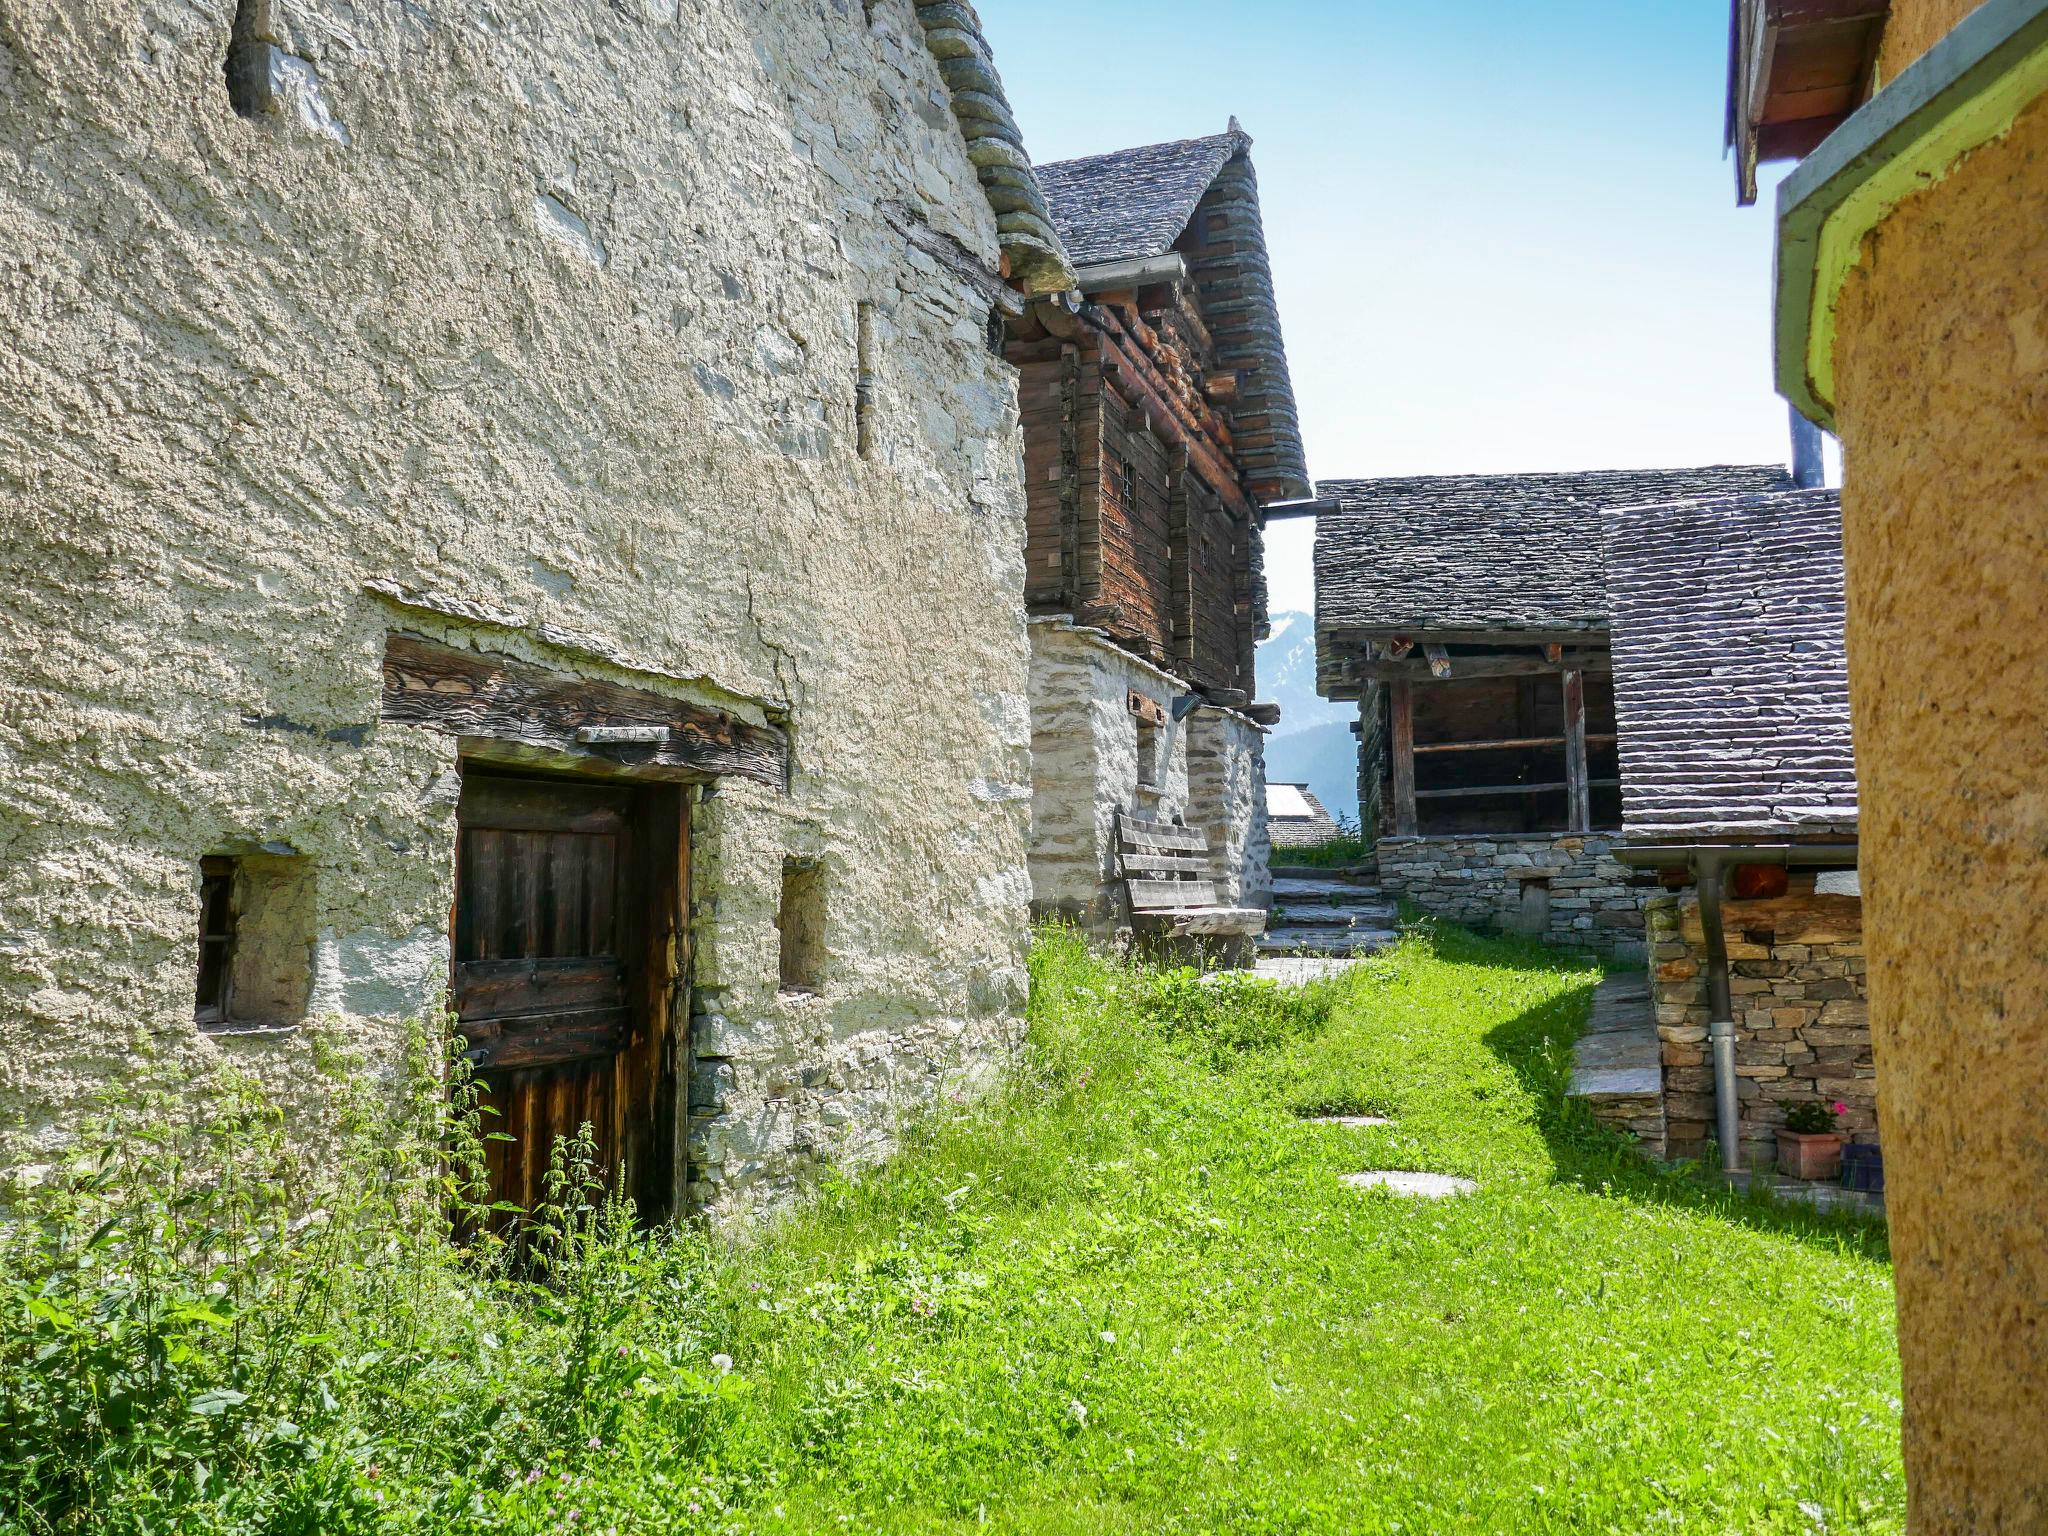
[1537, 1046]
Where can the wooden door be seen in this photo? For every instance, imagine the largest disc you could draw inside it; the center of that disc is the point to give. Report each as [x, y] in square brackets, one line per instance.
[566, 940]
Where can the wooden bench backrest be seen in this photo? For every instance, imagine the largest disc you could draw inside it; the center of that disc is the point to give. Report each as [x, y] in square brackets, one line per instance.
[1166, 868]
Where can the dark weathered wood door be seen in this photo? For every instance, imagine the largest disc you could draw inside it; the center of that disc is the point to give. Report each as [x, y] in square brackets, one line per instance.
[565, 939]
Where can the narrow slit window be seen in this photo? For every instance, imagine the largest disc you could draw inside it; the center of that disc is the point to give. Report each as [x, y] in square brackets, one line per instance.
[1127, 485]
[1148, 755]
[801, 920]
[216, 939]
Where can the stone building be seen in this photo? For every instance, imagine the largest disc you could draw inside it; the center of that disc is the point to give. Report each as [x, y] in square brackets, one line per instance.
[1295, 818]
[1468, 616]
[1912, 319]
[1159, 422]
[531, 490]
[1738, 784]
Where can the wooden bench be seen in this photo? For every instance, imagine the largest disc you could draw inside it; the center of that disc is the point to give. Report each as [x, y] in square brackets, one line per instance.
[1165, 869]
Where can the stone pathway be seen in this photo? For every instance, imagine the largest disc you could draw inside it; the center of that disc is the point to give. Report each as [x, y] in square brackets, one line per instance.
[1424, 1186]
[1617, 1064]
[1355, 1122]
[1326, 913]
[1294, 970]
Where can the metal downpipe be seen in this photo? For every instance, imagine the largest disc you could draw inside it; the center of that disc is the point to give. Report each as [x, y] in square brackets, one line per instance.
[1720, 1017]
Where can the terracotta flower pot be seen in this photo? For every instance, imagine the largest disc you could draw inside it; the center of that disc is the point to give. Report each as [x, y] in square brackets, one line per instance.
[1809, 1154]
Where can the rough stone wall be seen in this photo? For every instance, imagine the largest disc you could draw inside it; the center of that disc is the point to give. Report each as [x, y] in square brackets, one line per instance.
[1208, 770]
[1581, 896]
[1941, 370]
[552, 308]
[1802, 1027]
[1227, 799]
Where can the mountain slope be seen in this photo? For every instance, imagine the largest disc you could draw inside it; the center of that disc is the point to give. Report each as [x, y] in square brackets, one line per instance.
[1312, 744]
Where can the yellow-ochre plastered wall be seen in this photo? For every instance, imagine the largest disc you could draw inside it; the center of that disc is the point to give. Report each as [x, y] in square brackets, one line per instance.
[1913, 27]
[1942, 377]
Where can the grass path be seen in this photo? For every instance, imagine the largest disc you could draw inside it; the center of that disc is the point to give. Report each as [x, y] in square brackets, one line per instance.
[1127, 1294]
[1143, 1301]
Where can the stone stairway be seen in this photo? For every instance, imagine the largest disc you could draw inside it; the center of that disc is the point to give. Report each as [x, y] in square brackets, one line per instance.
[1328, 912]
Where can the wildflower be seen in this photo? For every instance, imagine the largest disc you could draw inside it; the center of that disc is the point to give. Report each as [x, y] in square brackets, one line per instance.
[721, 1363]
[1078, 1410]
[595, 1442]
[533, 1477]
[1108, 1336]
[372, 1470]
[1841, 1108]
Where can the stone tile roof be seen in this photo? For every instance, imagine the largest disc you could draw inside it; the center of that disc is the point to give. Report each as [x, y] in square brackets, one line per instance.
[1295, 818]
[1136, 203]
[1024, 225]
[1133, 202]
[1731, 686]
[1486, 552]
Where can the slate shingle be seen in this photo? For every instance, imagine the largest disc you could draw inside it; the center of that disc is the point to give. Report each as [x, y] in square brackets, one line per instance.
[1507, 552]
[1135, 203]
[1731, 682]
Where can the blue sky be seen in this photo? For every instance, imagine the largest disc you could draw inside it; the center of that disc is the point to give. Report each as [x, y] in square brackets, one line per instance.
[1503, 234]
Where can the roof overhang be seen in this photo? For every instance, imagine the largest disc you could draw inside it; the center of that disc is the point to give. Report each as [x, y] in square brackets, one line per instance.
[1963, 92]
[1796, 69]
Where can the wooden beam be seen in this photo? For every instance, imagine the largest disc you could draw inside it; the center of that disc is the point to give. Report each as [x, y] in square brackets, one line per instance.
[1401, 709]
[1439, 660]
[1501, 744]
[1469, 791]
[1584, 634]
[1468, 667]
[477, 694]
[1578, 803]
[1553, 654]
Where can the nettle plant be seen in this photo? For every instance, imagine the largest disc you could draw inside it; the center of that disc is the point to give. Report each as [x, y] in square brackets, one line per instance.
[1813, 1118]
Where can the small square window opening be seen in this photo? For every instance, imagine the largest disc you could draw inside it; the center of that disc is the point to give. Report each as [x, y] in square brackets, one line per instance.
[801, 920]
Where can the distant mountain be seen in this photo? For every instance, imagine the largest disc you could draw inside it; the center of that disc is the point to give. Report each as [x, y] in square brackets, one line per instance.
[1312, 744]
[1287, 676]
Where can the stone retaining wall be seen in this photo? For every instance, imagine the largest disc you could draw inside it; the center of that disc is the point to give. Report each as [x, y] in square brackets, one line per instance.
[1796, 980]
[1563, 888]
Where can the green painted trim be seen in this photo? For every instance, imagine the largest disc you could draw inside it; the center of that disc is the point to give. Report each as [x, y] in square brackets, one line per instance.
[1962, 93]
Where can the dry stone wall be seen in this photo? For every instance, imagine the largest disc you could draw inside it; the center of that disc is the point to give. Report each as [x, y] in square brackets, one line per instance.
[1563, 888]
[547, 314]
[1802, 1028]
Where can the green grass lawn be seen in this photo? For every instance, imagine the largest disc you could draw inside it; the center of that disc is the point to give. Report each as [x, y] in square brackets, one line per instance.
[1129, 1294]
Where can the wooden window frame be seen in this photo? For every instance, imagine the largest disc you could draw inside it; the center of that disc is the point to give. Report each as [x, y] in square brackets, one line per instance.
[211, 998]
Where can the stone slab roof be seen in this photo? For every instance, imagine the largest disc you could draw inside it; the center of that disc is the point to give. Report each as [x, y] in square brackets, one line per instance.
[1731, 686]
[1295, 818]
[1031, 246]
[1488, 552]
[1135, 203]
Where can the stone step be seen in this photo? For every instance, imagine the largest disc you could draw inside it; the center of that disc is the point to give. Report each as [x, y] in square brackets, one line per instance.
[1291, 890]
[1325, 941]
[1377, 915]
[1358, 873]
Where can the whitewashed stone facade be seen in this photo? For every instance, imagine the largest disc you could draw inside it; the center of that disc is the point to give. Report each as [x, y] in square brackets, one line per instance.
[1091, 758]
[531, 329]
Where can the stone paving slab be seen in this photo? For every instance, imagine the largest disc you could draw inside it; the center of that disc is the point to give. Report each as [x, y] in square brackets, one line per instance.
[1351, 1122]
[1425, 1186]
[1338, 917]
[1293, 970]
[1314, 941]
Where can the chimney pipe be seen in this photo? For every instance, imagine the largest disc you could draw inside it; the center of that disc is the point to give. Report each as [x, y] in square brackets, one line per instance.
[1809, 469]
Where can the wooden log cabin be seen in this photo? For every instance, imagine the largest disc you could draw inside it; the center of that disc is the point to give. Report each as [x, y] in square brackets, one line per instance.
[1468, 617]
[1159, 422]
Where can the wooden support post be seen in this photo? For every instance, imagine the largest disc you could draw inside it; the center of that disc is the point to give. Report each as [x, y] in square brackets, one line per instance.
[1401, 707]
[1578, 800]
